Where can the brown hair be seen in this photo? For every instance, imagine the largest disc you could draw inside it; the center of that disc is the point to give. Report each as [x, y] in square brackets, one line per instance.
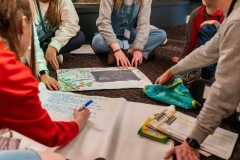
[53, 15]
[118, 3]
[9, 16]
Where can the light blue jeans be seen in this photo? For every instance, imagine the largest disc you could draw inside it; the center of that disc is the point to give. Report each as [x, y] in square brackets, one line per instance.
[156, 38]
[19, 155]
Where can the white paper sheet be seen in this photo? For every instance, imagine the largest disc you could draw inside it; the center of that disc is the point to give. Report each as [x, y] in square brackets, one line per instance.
[206, 91]
[221, 143]
[84, 49]
[111, 132]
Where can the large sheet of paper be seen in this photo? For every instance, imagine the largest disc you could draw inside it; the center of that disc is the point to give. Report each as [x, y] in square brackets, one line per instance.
[81, 79]
[111, 132]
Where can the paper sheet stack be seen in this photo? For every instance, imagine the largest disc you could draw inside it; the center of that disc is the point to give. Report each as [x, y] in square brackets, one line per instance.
[178, 126]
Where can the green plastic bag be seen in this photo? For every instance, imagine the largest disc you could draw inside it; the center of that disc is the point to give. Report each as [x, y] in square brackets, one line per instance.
[176, 94]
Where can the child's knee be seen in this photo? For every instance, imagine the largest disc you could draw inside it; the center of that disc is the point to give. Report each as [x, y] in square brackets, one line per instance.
[161, 35]
[207, 28]
[97, 41]
[81, 37]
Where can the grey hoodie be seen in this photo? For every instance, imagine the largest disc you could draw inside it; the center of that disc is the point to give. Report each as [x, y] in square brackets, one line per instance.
[143, 25]
[224, 96]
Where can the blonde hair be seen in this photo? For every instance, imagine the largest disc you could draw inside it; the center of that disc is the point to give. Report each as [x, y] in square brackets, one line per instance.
[53, 15]
[9, 11]
[118, 3]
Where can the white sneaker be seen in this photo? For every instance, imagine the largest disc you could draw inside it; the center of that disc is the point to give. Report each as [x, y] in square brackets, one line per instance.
[60, 58]
[165, 42]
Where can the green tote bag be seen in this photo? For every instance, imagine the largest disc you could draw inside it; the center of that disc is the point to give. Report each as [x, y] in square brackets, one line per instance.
[175, 94]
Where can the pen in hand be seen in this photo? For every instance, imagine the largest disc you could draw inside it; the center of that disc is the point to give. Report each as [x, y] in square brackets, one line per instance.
[85, 105]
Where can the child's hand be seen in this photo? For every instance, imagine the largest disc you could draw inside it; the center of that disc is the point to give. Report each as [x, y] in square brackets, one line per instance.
[81, 117]
[137, 58]
[165, 77]
[50, 82]
[175, 59]
[121, 58]
[51, 57]
[207, 22]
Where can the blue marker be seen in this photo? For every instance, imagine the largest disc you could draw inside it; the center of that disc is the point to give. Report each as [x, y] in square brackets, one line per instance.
[88, 103]
[85, 105]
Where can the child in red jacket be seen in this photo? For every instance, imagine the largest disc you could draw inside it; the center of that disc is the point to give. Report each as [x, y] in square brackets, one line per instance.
[20, 107]
[202, 26]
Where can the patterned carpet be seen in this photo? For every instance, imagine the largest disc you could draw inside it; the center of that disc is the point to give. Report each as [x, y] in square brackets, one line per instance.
[152, 69]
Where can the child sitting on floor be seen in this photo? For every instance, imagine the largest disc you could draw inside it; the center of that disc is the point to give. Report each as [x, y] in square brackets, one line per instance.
[124, 32]
[20, 108]
[57, 28]
[202, 26]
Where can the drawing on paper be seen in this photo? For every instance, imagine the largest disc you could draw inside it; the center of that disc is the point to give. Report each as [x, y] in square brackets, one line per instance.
[65, 103]
[81, 79]
[112, 76]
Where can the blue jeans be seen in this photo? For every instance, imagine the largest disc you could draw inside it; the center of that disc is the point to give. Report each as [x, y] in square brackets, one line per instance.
[19, 155]
[156, 37]
[206, 33]
[74, 43]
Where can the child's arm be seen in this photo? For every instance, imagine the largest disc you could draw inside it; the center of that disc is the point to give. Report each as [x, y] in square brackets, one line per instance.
[21, 109]
[191, 35]
[68, 27]
[215, 23]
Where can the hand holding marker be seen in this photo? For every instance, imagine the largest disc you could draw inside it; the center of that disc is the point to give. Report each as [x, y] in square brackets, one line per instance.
[85, 105]
[81, 115]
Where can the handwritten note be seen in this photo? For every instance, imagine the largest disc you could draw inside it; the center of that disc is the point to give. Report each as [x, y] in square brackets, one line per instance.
[66, 103]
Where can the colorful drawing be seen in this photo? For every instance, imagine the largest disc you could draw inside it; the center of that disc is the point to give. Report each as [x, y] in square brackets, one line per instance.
[81, 79]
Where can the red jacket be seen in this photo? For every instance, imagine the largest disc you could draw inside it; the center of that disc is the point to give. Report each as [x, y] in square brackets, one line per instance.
[197, 17]
[20, 107]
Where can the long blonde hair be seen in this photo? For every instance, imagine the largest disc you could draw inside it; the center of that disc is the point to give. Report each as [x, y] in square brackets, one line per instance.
[53, 15]
[118, 3]
[9, 11]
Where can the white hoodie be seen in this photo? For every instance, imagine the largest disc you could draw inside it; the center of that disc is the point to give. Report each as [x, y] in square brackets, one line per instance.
[69, 22]
[68, 28]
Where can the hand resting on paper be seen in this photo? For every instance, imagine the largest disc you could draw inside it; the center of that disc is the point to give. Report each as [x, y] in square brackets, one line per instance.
[81, 117]
[137, 58]
[50, 82]
[165, 77]
[122, 60]
[183, 152]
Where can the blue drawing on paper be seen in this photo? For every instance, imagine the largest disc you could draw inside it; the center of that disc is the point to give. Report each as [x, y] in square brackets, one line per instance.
[65, 103]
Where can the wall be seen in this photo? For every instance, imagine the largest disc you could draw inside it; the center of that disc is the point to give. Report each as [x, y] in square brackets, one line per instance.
[163, 14]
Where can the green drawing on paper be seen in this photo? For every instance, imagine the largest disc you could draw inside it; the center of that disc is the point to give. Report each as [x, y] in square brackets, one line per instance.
[80, 79]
